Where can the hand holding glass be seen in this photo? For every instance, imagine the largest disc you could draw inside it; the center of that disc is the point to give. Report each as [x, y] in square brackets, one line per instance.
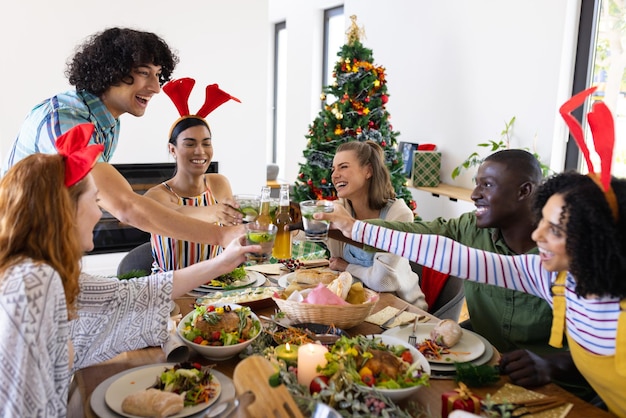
[249, 206]
[315, 229]
[263, 235]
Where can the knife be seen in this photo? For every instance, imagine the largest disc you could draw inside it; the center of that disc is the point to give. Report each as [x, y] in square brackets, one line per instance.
[397, 314]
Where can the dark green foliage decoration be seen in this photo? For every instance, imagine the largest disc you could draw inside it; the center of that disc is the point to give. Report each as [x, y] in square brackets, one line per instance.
[357, 114]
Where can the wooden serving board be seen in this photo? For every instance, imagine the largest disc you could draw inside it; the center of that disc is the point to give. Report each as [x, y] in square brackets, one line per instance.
[253, 374]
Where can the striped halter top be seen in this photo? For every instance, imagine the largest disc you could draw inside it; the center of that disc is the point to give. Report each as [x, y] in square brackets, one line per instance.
[172, 254]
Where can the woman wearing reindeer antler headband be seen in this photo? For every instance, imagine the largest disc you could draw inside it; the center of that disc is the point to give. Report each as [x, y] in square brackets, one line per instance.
[192, 191]
[580, 268]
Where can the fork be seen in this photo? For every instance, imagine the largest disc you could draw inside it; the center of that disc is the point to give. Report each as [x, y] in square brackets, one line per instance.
[413, 337]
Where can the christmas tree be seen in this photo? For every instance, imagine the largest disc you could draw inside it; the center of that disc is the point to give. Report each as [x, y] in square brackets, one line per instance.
[358, 114]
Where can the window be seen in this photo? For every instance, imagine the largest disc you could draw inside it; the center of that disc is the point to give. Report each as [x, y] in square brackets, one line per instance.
[334, 38]
[279, 99]
[600, 61]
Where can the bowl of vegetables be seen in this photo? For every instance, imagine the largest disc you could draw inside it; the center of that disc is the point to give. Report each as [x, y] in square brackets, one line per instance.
[219, 331]
[382, 363]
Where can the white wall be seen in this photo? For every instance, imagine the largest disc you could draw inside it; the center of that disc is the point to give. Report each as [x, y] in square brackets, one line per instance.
[224, 42]
[456, 71]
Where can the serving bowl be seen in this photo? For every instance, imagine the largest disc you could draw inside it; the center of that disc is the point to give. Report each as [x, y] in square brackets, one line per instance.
[218, 352]
[403, 393]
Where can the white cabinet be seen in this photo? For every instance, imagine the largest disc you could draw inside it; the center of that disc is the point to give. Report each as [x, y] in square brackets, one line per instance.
[443, 201]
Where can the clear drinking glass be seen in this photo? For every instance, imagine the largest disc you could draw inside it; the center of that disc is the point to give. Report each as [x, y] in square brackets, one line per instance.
[263, 235]
[249, 206]
[314, 229]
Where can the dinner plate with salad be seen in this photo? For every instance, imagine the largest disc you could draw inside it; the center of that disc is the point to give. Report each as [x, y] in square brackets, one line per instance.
[236, 279]
[199, 384]
[469, 347]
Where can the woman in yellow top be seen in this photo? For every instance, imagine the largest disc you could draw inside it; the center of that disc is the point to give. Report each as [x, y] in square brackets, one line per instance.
[580, 269]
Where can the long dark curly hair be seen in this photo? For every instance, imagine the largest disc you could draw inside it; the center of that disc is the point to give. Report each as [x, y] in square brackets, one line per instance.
[107, 58]
[595, 243]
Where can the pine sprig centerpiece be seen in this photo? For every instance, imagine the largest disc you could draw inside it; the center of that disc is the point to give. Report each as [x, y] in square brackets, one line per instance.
[357, 114]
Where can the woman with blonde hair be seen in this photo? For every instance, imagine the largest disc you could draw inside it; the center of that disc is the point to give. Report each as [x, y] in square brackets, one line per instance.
[364, 188]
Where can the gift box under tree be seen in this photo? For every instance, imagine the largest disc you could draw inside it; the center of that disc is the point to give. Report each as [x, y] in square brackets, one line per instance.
[426, 167]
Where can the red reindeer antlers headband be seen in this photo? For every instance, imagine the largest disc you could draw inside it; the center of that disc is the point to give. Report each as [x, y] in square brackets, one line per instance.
[179, 91]
[603, 133]
[79, 157]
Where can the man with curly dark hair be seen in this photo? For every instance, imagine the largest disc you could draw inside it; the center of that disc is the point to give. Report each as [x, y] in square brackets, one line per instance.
[114, 72]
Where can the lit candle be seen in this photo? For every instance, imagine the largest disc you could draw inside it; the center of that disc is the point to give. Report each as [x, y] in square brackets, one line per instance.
[287, 353]
[310, 356]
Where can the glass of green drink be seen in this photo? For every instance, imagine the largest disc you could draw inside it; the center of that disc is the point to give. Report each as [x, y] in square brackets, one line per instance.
[314, 229]
[249, 206]
[263, 235]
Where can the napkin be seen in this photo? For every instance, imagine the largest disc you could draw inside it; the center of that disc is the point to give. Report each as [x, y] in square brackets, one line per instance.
[387, 313]
[175, 349]
[273, 269]
[513, 393]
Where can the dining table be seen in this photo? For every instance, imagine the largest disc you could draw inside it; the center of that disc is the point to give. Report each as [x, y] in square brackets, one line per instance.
[86, 380]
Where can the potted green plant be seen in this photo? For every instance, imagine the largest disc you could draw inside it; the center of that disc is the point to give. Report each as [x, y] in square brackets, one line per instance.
[475, 158]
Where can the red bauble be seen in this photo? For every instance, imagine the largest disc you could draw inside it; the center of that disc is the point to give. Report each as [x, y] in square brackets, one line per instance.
[323, 181]
[370, 123]
[319, 383]
[309, 182]
[301, 175]
[384, 98]
[367, 99]
[383, 144]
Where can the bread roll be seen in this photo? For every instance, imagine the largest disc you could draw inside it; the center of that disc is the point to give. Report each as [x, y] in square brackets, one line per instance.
[315, 276]
[447, 332]
[341, 285]
[153, 403]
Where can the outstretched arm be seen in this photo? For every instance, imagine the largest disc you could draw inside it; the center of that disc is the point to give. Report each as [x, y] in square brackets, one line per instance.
[118, 197]
[523, 272]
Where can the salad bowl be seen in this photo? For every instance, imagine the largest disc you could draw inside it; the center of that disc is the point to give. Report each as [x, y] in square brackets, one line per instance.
[402, 393]
[389, 369]
[219, 345]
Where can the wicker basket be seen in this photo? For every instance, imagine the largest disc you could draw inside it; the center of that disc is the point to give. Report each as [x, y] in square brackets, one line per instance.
[341, 316]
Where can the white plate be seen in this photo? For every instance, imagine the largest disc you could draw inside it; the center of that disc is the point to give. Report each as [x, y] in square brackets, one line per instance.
[285, 279]
[253, 278]
[469, 343]
[446, 368]
[140, 379]
[99, 406]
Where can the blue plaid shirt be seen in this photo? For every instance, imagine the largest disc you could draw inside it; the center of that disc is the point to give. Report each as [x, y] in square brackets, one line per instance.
[55, 116]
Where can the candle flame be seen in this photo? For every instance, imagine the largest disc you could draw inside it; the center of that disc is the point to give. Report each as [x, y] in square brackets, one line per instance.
[287, 347]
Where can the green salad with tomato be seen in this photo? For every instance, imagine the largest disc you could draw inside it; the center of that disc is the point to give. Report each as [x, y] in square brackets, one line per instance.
[191, 379]
[371, 362]
[220, 325]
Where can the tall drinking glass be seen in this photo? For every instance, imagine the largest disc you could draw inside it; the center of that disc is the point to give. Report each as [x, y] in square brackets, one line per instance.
[314, 229]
